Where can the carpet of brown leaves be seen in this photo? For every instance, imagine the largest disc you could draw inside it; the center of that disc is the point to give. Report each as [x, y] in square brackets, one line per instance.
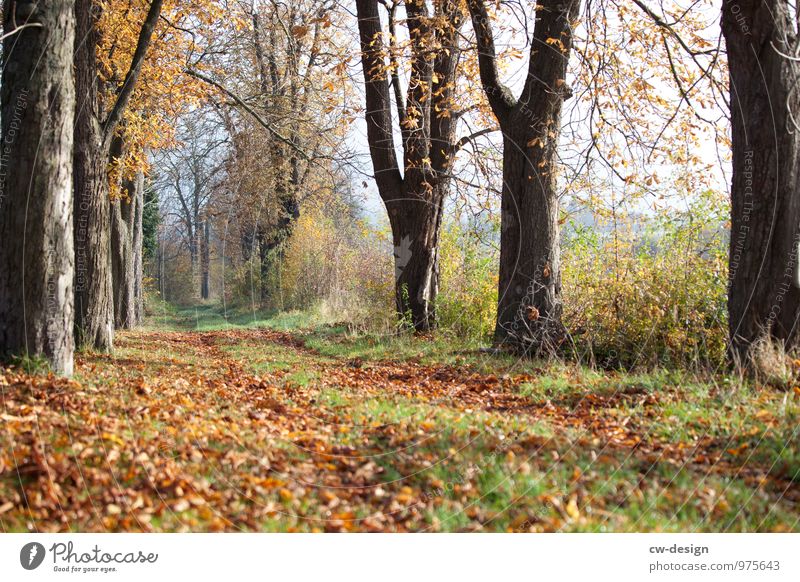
[183, 431]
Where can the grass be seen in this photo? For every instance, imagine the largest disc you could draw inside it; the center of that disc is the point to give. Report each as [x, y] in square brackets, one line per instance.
[215, 317]
[33, 365]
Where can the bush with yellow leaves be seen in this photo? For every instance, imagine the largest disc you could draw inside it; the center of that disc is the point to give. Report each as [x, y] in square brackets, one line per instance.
[342, 268]
[467, 301]
[649, 290]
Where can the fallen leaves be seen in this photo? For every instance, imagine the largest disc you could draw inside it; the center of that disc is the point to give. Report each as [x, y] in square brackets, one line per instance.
[182, 434]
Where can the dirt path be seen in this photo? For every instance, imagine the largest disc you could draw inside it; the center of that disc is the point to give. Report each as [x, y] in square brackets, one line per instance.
[252, 430]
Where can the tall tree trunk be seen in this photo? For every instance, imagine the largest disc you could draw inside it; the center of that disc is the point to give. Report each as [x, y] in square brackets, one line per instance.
[195, 241]
[94, 308]
[36, 258]
[414, 199]
[247, 241]
[162, 283]
[529, 302]
[529, 295]
[124, 211]
[267, 251]
[416, 223]
[205, 261]
[138, 251]
[272, 240]
[764, 290]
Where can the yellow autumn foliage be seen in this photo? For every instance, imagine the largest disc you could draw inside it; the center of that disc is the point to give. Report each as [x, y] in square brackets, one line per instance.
[649, 291]
[344, 269]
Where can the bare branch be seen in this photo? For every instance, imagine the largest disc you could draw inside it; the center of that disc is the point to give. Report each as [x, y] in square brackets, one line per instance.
[499, 96]
[241, 103]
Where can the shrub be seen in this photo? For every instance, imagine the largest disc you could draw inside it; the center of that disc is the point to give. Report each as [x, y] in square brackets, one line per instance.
[772, 365]
[343, 269]
[467, 301]
[653, 295]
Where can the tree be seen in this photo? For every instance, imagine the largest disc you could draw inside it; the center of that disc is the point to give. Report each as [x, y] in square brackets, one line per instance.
[151, 218]
[529, 295]
[137, 188]
[427, 120]
[95, 129]
[764, 291]
[283, 99]
[36, 258]
[286, 124]
[188, 179]
[126, 243]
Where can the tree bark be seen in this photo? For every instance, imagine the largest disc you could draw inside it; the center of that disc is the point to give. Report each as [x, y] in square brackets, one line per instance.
[271, 242]
[36, 254]
[764, 290]
[529, 303]
[94, 309]
[529, 295]
[122, 264]
[205, 262]
[195, 242]
[266, 261]
[123, 253]
[138, 251]
[416, 227]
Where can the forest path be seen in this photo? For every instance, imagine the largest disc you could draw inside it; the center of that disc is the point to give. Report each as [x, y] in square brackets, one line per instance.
[258, 429]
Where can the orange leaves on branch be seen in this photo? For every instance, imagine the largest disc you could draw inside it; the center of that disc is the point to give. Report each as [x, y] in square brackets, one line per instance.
[163, 90]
